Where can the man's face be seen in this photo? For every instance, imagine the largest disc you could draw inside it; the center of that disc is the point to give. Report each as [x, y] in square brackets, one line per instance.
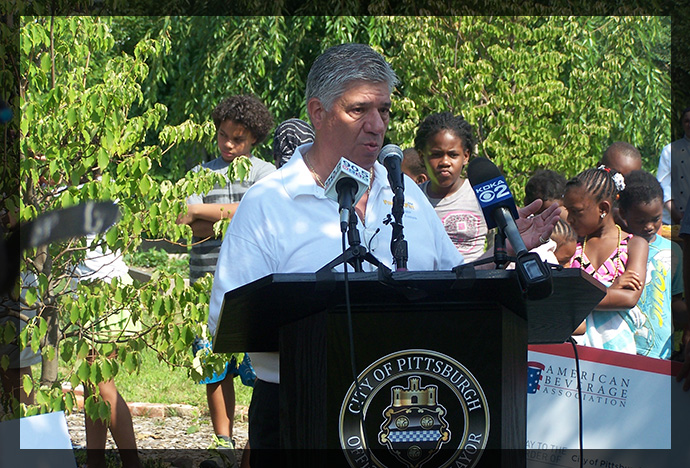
[234, 140]
[355, 125]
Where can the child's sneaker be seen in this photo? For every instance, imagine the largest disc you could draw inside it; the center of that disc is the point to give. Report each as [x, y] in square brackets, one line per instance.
[224, 449]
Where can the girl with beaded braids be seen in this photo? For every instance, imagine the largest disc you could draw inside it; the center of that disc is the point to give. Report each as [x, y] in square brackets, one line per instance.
[445, 143]
[614, 257]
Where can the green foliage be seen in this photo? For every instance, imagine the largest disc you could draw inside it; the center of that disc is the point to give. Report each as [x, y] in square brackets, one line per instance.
[118, 108]
[159, 260]
[541, 91]
[81, 140]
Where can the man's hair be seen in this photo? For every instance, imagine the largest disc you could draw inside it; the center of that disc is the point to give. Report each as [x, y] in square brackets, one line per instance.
[246, 110]
[544, 184]
[641, 187]
[621, 148]
[337, 67]
[455, 124]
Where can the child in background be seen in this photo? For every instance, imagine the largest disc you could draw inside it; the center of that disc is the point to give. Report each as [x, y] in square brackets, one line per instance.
[548, 186]
[287, 136]
[445, 142]
[566, 242]
[241, 122]
[641, 205]
[623, 157]
[413, 166]
[614, 257]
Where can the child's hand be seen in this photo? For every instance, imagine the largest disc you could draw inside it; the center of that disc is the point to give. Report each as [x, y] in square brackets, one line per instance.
[628, 280]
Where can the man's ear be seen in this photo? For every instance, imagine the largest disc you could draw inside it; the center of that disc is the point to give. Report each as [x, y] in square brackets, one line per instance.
[317, 113]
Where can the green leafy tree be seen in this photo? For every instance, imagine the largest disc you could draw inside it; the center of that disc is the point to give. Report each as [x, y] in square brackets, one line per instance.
[80, 140]
[128, 99]
[542, 92]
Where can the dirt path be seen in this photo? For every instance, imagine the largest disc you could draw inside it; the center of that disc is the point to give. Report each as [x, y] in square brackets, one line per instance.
[177, 441]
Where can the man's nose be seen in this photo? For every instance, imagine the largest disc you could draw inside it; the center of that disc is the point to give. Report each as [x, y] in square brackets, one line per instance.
[375, 123]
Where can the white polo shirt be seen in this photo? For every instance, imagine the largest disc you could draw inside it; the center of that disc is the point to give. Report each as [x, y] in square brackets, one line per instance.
[285, 224]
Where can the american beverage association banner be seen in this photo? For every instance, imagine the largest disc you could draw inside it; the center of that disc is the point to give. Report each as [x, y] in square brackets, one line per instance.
[634, 413]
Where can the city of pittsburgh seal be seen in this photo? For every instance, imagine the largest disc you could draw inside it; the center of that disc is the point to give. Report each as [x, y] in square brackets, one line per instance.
[414, 408]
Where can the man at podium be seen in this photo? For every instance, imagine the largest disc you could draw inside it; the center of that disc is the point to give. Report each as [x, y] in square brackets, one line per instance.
[286, 224]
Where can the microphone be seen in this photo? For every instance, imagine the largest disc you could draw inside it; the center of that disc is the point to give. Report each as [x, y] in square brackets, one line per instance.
[498, 207]
[495, 199]
[391, 156]
[346, 185]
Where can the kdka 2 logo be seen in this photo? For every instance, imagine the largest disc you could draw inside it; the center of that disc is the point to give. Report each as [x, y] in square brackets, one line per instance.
[492, 191]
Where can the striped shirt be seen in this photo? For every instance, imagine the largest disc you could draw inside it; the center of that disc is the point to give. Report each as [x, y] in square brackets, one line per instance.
[204, 255]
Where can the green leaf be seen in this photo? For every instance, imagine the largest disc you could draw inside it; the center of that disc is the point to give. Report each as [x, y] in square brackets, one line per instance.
[103, 159]
[42, 326]
[35, 341]
[27, 383]
[84, 371]
[145, 185]
[106, 370]
[48, 353]
[82, 349]
[74, 381]
[30, 296]
[45, 62]
[58, 404]
[156, 308]
[10, 332]
[111, 236]
[95, 375]
[90, 407]
[69, 401]
[66, 350]
[130, 362]
[71, 116]
[104, 411]
[4, 362]
[74, 313]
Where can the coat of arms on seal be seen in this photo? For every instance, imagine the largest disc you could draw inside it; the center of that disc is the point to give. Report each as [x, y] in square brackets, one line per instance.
[415, 427]
[414, 408]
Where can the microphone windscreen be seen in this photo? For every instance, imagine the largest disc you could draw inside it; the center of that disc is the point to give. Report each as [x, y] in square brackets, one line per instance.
[390, 150]
[480, 170]
[344, 169]
[491, 189]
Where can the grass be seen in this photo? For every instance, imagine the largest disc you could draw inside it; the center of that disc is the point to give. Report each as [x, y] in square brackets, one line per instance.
[158, 383]
[159, 259]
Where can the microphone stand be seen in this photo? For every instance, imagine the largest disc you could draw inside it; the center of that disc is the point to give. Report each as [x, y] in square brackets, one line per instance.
[501, 258]
[398, 242]
[354, 255]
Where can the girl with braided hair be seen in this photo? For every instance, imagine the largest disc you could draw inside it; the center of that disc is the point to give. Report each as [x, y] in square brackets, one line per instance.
[614, 257]
[445, 143]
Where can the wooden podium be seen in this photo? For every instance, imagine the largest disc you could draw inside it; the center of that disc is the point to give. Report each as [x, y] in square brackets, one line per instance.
[441, 360]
